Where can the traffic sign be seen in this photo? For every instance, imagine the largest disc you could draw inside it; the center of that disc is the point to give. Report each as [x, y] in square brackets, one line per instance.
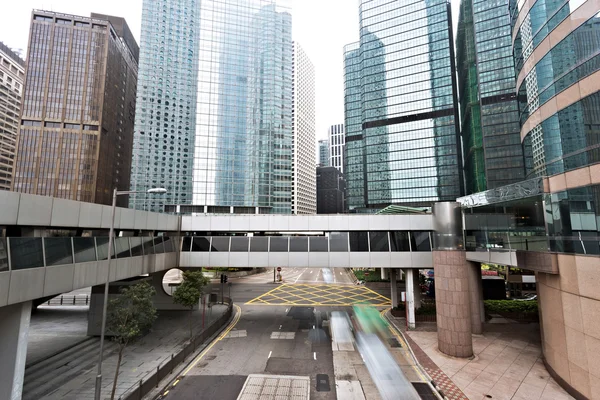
[278, 269]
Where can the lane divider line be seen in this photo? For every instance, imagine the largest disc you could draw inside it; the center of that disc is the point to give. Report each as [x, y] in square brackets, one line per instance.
[271, 352]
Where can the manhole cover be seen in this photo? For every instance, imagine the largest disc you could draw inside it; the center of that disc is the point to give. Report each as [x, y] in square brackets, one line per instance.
[393, 342]
[323, 383]
[210, 358]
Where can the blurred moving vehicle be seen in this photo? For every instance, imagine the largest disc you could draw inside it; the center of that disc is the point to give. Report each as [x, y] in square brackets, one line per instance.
[364, 331]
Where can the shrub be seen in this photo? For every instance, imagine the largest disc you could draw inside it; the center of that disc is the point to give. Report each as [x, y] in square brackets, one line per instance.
[510, 306]
[374, 275]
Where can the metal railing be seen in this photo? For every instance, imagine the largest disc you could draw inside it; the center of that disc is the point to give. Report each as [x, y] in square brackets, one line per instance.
[69, 300]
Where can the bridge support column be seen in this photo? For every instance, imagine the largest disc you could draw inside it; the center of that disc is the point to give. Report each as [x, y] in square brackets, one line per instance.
[14, 331]
[410, 298]
[394, 287]
[452, 301]
[384, 273]
[417, 287]
[476, 298]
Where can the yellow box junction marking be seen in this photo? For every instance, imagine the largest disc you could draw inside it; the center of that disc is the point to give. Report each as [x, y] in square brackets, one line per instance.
[320, 295]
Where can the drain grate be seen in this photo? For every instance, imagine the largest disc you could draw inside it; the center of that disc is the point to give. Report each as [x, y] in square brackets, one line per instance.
[323, 383]
[424, 391]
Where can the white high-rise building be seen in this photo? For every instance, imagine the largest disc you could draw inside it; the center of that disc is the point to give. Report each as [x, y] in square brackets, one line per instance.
[304, 189]
[337, 143]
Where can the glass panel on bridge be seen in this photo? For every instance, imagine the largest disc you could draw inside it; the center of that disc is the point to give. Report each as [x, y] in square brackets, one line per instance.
[279, 244]
[379, 241]
[399, 241]
[259, 244]
[148, 246]
[338, 241]
[136, 246]
[170, 244]
[159, 247]
[26, 253]
[319, 244]
[187, 243]
[201, 243]
[239, 244]
[3, 255]
[58, 250]
[299, 244]
[102, 246]
[122, 247]
[85, 249]
[359, 241]
[220, 243]
[420, 241]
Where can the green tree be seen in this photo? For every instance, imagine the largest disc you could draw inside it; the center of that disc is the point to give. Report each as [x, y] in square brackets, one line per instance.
[130, 315]
[189, 292]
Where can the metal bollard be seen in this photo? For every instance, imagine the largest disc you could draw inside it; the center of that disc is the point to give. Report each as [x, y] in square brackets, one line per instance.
[61, 300]
[157, 367]
[74, 300]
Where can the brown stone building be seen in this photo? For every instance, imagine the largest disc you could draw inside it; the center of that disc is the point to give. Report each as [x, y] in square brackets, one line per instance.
[76, 132]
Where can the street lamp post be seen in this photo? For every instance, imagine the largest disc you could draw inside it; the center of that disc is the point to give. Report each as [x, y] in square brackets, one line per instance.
[105, 303]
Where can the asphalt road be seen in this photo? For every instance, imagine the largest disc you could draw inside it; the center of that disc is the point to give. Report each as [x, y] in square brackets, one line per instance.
[250, 349]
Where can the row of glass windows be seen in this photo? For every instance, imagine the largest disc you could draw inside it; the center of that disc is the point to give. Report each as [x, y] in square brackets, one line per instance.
[28, 252]
[336, 242]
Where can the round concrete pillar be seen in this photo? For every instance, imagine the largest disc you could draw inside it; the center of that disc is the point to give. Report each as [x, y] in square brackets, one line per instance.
[452, 300]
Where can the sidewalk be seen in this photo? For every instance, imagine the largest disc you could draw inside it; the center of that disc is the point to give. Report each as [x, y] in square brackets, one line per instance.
[169, 334]
[507, 365]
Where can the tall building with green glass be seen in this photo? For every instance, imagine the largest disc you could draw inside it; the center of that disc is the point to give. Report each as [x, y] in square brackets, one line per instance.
[243, 148]
[401, 107]
[165, 114]
[493, 154]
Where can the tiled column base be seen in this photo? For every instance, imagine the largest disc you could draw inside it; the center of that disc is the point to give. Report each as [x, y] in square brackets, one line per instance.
[452, 300]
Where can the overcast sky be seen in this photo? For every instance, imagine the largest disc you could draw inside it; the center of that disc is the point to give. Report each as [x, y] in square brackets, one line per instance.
[322, 27]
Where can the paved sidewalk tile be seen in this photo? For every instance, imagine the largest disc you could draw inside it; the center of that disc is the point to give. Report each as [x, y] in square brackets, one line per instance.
[169, 334]
[507, 365]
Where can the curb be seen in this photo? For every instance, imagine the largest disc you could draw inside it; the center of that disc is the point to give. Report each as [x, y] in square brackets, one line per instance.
[158, 394]
[433, 384]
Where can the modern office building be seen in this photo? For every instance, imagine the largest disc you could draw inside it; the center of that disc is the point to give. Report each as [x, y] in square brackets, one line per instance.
[76, 128]
[243, 142]
[331, 191]
[337, 142]
[493, 155]
[401, 107]
[165, 118]
[12, 75]
[304, 190]
[552, 219]
[324, 160]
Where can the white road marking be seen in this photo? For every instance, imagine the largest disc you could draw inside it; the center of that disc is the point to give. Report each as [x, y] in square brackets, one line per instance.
[279, 327]
[311, 271]
[340, 273]
[313, 327]
[272, 353]
[315, 355]
[286, 310]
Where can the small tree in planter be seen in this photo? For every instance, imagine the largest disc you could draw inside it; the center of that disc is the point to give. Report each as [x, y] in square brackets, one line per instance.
[129, 316]
[189, 292]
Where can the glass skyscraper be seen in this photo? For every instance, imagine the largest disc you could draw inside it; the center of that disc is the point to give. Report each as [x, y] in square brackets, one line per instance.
[402, 143]
[165, 117]
[243, 143]
[488, 102]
